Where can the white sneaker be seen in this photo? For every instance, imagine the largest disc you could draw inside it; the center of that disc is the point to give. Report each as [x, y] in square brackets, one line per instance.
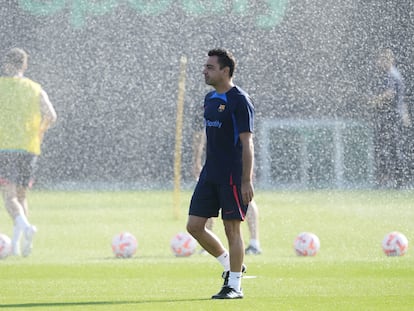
[27, 244]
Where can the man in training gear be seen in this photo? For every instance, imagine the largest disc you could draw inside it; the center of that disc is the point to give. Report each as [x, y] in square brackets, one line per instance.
[225, 181]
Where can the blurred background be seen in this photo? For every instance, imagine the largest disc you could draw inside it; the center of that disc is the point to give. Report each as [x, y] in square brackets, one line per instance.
[111, 69]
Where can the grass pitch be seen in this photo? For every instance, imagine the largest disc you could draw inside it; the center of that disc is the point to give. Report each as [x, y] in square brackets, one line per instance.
[72, 266]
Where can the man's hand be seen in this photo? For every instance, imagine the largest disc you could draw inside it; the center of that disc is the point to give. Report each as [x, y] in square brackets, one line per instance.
[247, 192]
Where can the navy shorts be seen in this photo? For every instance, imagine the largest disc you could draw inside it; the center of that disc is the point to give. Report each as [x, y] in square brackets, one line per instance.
[209, 198]
[17, 168]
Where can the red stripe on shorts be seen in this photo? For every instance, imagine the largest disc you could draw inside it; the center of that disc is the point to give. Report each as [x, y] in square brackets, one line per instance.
[236, 198]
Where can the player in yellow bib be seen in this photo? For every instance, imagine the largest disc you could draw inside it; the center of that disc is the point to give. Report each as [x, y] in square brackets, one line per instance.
[25, 114]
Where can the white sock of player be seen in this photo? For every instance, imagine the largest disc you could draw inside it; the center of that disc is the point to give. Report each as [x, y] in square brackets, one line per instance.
[21, 222]
[235, 280]
[255, 243]
[224, 259]
[17, 233]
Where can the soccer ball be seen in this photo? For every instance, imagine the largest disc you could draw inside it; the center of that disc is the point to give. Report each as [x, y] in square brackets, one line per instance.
[395, 244]
[183, 244]
[124, 245]
[5, 246]
[306, 244]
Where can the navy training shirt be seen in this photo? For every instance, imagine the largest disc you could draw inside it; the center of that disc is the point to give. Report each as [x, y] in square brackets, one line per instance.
[226, 116]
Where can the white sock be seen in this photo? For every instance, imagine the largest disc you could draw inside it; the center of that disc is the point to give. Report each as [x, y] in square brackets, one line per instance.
[224, 259]
[17, 233]
[21, 222]
[255, 243]
[235, 280]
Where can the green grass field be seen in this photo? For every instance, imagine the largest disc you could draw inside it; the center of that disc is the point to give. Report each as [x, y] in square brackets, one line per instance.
[72, 266]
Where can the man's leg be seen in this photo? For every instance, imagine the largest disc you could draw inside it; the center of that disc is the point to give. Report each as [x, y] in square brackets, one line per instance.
[253, 224]
[232, 288]
[16, 213]
[11, 196]
[209, 226]
[236, 244]
[22, 199]
[30, 231]
[196, 226]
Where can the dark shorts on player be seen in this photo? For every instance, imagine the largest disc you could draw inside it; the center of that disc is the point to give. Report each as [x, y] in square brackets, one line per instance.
[17, 167]
[209, 198]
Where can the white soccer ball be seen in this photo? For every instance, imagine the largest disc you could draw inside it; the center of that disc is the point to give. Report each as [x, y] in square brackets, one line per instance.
[124, 245]
[306, 244]
[183, 244]
[395, 244]
[5, 246]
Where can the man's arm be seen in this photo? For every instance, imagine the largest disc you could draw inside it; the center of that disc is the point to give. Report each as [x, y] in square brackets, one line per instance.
[247, 189]
[199, 142]
[48, 113]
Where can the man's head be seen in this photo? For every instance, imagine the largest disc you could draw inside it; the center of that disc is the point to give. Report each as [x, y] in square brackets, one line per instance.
[15, 61]
[225, 59]
[220, 67]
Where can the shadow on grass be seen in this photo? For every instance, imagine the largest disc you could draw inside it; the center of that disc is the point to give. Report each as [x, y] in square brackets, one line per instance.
[94, 303]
